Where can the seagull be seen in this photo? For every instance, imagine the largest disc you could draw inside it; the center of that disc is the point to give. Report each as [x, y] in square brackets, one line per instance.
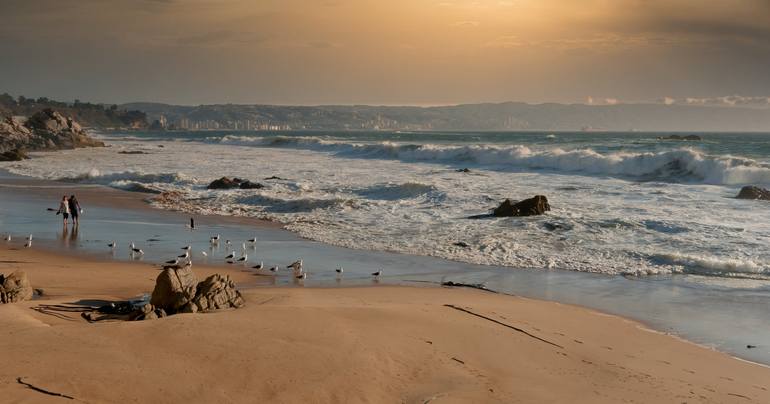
[187, 248]
[252, 240]
[243, 247]
[296, 265]
[135, 250]
[8, 237]
[377, 274]
[258, 266]
[112, 245]
[28, 244]
[228, 242]
[231, 256]
[29, 238]
[173, 262]
[302, 277]
[185, 255]
[339, 270]
[214, 239]
[243, 258]
[203, 253]
[274, 269]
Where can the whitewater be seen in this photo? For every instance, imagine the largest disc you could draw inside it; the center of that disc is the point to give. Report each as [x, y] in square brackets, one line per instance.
[621, 203]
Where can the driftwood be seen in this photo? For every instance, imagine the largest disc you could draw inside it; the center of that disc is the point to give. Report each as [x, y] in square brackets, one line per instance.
[479, 286]
[451, 306]
[20, 380]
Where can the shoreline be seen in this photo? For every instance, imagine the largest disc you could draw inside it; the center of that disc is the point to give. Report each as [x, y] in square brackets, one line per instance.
[286, 351]
[101, 196]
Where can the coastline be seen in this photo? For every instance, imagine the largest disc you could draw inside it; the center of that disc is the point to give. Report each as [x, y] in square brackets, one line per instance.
[279, 347]
[666, 306]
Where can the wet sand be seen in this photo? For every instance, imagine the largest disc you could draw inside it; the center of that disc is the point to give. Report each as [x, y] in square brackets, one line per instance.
[359, 344]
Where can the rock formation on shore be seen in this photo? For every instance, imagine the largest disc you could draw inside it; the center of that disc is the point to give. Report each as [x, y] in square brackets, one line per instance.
[536, 205]
[177, 291]
[45, 130]
[234, 183]
[15, 287]
[752, 192]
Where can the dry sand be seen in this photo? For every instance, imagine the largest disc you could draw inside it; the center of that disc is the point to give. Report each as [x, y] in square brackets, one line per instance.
[367, 344]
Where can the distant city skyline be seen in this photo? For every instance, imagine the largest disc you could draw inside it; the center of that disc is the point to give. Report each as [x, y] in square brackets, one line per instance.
[400, 52]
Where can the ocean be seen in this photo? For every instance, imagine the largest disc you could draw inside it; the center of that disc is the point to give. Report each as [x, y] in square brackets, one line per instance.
[622, 203]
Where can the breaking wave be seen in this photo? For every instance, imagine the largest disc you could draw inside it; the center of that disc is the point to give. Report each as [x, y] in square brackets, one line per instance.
[684, 164]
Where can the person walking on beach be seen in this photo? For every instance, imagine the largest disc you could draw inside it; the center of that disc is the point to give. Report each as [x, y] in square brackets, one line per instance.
[74, 210]
[64, 209]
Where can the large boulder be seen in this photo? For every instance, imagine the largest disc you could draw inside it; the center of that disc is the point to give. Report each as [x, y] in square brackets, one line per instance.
[214, 293]
[45, 130]
[174, 288]
[15, 287]
[752, 192]
[536, 205]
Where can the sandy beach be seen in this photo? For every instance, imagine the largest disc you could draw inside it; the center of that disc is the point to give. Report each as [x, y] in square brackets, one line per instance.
[360, 344]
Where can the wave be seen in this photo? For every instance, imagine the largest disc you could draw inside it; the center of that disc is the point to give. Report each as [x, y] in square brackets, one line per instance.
[394, 192]
[712, 266]
[684, 164]
[95, 176]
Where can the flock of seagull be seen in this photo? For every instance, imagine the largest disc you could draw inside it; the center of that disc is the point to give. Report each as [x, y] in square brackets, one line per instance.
[27, 243]
[232, 258]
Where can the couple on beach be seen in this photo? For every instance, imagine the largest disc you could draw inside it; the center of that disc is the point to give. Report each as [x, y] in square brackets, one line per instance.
[69, 207]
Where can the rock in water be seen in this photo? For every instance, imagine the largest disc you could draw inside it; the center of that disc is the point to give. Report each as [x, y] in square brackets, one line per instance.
[174, 288]
[216, 292]
[246, 184]
[14, 155]
[15, 287]
[536, 205]
[752, 192]
[234, 183]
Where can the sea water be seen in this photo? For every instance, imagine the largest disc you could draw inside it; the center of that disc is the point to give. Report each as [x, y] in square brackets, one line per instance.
[622, 203]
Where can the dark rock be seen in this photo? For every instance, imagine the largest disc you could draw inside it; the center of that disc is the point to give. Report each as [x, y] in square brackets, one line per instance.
[273, 178]
[752, 192]
[15, 287]
[461, 244]
[250, 185]
[14, 155]
[463, 170]
[174, 288]
[537, 205]
[132, 152]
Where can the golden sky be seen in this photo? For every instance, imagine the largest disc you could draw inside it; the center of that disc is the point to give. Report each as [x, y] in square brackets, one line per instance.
[384, 52]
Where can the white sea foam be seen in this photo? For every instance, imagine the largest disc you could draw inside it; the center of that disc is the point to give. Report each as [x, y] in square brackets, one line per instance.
[383, 196]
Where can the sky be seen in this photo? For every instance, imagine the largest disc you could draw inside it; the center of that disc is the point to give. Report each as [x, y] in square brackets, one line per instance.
[389, 52]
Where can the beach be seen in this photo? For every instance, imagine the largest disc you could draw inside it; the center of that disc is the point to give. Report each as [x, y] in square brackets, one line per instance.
[357, 344]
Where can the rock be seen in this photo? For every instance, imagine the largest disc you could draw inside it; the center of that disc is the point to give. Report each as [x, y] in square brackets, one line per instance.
[15, 287]
[251, 185]
[45, 130]
[273, 178]
[461, 244]
[678, 137]
[463, 170]
[174, 288]
[536, 205]
[228, 183]
[14, 155]
[132, 152]
[216, 292]
[752, 192]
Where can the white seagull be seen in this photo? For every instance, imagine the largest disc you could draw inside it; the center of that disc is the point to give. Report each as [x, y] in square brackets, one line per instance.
[173, 262]
[274, 269]
[252, 240]
[339, 270]
[215, 239]
[29, 238]
[259, 266]
[135, 250]
[28, 244]
[231, 256]
[296, 266]
[187, 247]
[243, 258]
[8, 237]
[185, 255]
[377, 274]
[112, 245]
[203, 253]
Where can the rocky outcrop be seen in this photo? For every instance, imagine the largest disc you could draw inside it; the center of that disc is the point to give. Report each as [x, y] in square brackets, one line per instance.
[45, 130]
[234, 183]
[15, 287]
[752, 192]
[174, 288]
[177, 291]
[536, 205]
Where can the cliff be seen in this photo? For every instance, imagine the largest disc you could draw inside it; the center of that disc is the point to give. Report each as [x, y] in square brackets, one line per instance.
[45, 130]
